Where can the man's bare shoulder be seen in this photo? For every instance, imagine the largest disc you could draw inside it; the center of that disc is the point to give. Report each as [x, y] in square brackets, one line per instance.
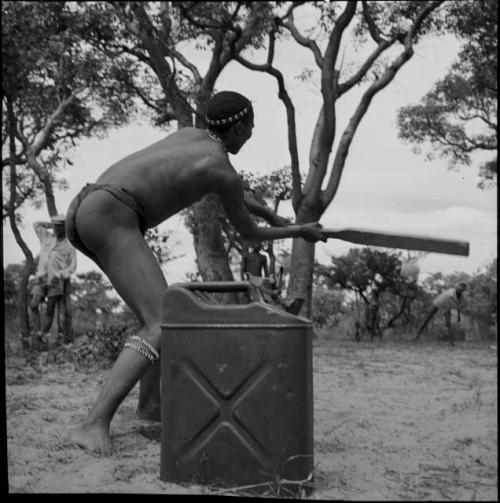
[226, 179]
[197, 144]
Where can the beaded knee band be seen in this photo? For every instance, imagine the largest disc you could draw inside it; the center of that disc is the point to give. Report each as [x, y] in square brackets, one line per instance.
[147, 345]
[141, 351]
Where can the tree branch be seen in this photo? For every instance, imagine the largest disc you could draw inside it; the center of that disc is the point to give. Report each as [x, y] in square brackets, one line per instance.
[290, 112]
[379, 84]
[423, 14]
[205, 25]
[325, 129]
[44, 136]
[235, 13]
[184, 61]
[332, 50]
[145, 33]
[358, 76]
[372, 27]
[290, 10]
[13, 186]
[18, 159]
[166, 21]
[139, 55]
[329, 79]
[215, 65]
[300, 39]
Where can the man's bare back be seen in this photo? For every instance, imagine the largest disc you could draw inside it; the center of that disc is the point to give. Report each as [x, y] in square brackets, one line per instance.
[172, 174]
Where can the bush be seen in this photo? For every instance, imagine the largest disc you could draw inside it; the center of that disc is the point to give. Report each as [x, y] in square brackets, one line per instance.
[327, 307]
[97, 348]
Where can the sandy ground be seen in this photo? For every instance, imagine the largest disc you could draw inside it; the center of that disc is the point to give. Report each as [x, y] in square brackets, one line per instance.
[393, 421]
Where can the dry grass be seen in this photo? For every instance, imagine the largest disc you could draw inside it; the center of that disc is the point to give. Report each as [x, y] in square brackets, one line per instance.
[393, 421]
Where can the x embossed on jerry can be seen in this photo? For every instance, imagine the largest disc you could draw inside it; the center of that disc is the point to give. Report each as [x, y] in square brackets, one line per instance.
[236, 389]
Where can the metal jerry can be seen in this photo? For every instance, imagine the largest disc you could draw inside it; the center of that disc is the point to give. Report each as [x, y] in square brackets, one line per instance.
[236, 389]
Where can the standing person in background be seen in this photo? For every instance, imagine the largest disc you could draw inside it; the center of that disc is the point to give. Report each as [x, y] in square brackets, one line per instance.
[56, 263]
[446, 301]
[254, 263]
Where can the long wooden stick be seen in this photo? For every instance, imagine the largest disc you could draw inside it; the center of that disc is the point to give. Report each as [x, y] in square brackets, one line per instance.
[403, 241]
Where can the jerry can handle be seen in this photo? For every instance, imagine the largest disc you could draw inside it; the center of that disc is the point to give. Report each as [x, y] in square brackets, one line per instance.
[226, 286]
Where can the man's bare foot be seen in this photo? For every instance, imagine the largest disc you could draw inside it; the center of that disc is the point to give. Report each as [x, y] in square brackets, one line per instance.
[93, 438]
[151, 412]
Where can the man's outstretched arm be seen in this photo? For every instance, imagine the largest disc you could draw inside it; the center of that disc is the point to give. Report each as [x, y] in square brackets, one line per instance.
[230, 191]
[264, 212]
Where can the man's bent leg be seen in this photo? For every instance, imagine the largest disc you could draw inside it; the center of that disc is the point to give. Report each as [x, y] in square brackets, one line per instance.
[93, 434]
[134, 272]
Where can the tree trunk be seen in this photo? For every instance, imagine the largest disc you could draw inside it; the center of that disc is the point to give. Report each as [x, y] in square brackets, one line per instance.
[302, 260]
[22, 306]
[22, 296]
[211, 255]
[301, 273]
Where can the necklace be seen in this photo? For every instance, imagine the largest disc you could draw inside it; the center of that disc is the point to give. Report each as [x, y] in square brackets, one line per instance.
[217, 139]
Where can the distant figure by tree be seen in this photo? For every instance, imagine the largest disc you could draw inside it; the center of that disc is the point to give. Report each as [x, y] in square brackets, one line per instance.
[56, 263]
[452, 298]
[254, 262]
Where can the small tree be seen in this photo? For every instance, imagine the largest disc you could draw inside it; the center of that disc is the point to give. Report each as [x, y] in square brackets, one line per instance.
[375, 277]
[328, 305]
[56, 89]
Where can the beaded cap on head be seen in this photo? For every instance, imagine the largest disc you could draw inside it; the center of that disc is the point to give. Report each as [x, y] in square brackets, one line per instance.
[227, 107]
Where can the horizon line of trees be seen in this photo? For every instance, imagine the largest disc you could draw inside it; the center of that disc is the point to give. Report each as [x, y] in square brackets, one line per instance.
[362, 288]
[72, 70]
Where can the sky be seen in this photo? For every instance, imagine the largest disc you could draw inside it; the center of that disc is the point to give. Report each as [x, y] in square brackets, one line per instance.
[385, 186]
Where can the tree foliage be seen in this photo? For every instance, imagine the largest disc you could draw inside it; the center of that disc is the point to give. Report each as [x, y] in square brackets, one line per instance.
[390, 31]
[56, 89]
[159, 244]
[174, 81]
[269, 190]
[182, 48]
[59, 87]
[92, 294]
[457, 117]
[12, 279]
[375, 277]
[389, 300]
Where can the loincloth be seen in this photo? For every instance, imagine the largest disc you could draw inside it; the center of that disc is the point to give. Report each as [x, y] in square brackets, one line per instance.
[120, 193]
